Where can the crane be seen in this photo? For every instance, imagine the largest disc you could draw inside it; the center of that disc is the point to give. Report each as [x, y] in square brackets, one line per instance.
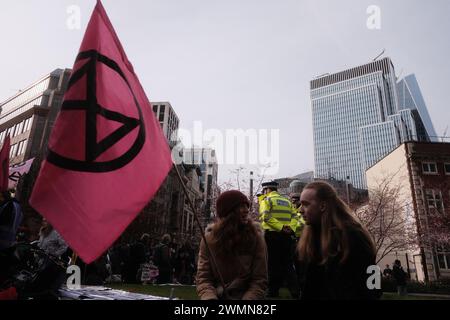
[445, 132]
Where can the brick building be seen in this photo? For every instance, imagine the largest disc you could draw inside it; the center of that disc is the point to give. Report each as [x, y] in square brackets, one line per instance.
[422, 170]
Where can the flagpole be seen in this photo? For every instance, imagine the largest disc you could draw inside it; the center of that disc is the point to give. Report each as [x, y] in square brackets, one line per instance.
[73, 260]
[208, 250]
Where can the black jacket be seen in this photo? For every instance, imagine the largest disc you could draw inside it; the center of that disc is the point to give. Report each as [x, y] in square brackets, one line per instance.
[335, 281]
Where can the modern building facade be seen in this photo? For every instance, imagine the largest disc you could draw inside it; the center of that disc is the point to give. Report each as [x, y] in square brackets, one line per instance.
[360, 115]
[168, 120]
[29, 115]
[421, 171]
[207, 160]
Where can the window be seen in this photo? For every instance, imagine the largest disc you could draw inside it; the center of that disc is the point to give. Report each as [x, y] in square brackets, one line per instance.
[21, 148]
[447, 168]
[20, 128]
[443, 257]
[434, 199]
[155, 108]
[161, 115]
[30, 122]
[13, 131]
[429, 167]
[25, 124]
[13, 150]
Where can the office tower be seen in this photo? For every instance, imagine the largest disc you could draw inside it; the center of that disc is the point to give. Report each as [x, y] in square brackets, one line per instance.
[360, 115]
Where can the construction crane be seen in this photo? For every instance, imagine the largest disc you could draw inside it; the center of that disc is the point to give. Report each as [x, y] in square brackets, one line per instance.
[445, 132]
[382, 52]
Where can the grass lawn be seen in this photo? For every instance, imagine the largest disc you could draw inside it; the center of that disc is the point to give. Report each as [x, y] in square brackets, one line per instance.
[394, 296]
[189, 293]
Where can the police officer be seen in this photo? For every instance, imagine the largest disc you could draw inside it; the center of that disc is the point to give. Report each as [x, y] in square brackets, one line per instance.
[278, 219]
[299, 222]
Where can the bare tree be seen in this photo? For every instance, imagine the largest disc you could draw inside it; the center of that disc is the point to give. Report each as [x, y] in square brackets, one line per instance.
[240, 180]
[389, 218]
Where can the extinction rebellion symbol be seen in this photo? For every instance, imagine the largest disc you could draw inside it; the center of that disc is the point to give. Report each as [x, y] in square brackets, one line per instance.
[94, 149]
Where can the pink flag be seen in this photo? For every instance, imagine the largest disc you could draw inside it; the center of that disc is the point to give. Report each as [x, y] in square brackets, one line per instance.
[4, 161]
[107, 154]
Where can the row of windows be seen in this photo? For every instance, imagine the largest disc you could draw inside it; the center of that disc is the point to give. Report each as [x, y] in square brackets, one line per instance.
[431, 168]
[25, 96]
[377, 80]
[405, 125]
[361, 105]
[377, 141]
[22, 109]
[17, 129]
[18, 149]
[347, 84]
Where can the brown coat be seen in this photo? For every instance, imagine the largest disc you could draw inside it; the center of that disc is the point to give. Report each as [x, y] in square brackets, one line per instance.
[249, 281]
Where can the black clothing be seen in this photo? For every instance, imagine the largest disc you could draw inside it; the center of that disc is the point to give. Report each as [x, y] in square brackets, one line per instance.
[280, 263]
[346, 281]
[399, 275]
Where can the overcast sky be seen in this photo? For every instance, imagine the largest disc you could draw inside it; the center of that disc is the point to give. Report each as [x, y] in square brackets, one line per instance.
[239, 63]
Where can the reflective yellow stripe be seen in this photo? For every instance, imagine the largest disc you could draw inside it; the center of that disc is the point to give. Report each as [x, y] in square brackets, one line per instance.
[282, 211]
[284, 219]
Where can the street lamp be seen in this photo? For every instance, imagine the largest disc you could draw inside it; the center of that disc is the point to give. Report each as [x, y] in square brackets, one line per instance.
[347, 189]
[251, 190]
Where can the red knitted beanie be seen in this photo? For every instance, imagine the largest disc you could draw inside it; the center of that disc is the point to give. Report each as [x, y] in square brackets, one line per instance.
[228, 201]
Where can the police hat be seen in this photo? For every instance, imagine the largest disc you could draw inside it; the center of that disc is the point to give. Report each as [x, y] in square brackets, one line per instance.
[270, 184]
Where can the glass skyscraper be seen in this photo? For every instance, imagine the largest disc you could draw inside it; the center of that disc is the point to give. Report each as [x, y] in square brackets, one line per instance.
[360, 115]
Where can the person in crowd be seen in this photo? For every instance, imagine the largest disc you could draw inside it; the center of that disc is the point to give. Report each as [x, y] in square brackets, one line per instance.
[334, 249]
[50, 241]
[163, 260]
[387, 272]
[185, 262]
[138, 256]
[232, 264]
[400, 277]
[279, 221]
[10, 219]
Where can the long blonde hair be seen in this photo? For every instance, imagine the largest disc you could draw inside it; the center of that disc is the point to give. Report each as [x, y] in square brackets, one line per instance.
[332, 240]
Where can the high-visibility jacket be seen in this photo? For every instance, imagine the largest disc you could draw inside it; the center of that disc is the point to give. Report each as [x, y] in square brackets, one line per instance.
[276, 212]
[299, 223]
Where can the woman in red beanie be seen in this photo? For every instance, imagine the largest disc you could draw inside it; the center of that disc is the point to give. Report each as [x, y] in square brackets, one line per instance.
[239, 250]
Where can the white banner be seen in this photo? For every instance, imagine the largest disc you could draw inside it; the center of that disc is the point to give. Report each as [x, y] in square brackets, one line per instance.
[16, 172]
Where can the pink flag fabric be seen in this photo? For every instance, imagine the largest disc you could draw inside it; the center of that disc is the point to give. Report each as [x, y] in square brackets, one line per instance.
[4, 162]
[107, 154]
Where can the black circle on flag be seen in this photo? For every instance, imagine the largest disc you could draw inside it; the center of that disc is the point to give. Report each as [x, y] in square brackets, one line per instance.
[94, 149]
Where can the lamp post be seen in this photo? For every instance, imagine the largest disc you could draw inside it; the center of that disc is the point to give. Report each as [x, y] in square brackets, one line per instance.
[251, 190]
[347, 189]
